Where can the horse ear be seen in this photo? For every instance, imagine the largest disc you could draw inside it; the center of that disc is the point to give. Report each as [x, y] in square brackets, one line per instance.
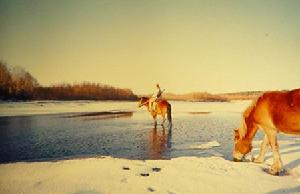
[236, 134]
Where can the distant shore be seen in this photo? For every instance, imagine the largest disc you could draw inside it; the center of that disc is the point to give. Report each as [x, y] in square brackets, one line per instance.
[20, 85]
[208, 97]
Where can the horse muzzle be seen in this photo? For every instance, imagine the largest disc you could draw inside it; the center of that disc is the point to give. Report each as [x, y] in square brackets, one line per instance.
[237, 160]
[238, 157]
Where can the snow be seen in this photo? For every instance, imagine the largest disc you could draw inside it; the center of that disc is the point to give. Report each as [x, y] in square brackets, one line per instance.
[178, 175]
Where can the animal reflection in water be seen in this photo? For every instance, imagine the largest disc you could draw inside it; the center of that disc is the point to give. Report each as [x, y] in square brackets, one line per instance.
[273, 112]
[159, 142]
[162, 107]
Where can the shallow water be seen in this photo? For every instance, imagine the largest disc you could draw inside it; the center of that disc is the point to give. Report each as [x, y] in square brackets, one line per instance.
[28, 132]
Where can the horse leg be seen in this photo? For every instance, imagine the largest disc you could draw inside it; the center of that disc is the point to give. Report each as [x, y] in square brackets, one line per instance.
[154, 117]
[164, 119]
[169, 116]
[263, 149]
[277, 163]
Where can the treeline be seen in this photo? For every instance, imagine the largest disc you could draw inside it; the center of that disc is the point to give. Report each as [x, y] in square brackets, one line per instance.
[83, 91]
[17, 84]
[250, 95]
[196, 97]
[208, 97]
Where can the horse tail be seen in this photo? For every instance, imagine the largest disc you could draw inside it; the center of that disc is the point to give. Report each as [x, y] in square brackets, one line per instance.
[169, 116]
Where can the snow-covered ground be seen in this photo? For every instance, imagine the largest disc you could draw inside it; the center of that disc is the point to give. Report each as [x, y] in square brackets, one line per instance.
[55, 107]
[178, 175]
[52, 107]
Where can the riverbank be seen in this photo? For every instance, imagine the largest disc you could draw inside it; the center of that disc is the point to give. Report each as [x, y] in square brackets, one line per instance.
[178, 175]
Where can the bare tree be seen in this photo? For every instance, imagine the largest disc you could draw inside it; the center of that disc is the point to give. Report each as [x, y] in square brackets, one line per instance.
[5, 81]
[23, 83]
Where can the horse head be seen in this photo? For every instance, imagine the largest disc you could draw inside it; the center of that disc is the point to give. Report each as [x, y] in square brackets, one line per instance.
[243, 136]
[143, 101]
[242, 146]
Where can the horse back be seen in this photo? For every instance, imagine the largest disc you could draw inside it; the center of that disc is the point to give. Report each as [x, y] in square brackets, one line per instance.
[163, 103]
[282, 109]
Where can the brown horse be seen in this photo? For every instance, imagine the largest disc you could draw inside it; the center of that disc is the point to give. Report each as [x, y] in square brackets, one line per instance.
[273, 112]
[162, 108]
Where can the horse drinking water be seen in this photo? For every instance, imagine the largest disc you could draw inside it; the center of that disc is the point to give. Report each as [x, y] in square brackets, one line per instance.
[163, 108]
[273, 112]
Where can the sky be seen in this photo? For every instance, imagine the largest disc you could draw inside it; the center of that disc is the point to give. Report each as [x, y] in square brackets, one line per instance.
[185, 45]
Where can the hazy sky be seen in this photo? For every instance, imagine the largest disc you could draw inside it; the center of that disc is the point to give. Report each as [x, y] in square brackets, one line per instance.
[213, 46]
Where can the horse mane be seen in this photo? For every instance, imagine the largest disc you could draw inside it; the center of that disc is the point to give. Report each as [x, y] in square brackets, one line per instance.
[243, 128]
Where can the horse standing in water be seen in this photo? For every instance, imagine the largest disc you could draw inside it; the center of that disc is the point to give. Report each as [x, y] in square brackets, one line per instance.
[162, 108]
[273, 112]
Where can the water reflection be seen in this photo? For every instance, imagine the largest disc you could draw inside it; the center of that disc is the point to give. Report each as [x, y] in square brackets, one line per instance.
[101, 115]
[159, 140]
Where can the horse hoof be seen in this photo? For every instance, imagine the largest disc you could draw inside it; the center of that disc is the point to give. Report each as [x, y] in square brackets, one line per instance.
[271, 172]
[274, 172]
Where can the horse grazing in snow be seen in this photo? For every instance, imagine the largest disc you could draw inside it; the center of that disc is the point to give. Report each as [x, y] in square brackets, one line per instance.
[273, 112]
[162, 107]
